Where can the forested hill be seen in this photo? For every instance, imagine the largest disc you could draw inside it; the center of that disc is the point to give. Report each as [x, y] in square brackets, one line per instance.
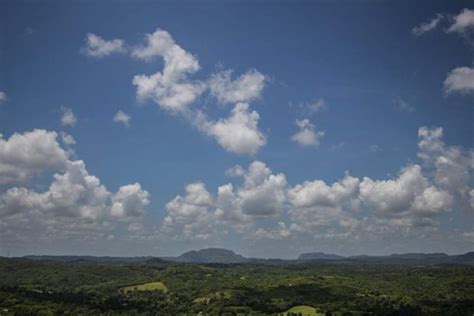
[210, 255]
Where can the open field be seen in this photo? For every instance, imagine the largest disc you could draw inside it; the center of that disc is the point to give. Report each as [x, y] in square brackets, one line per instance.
[152, 286]
[301, 310]
[29, 287]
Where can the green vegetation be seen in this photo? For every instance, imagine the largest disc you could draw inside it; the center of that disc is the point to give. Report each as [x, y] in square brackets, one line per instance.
[302, 310]
[84, 287]
[152, 286]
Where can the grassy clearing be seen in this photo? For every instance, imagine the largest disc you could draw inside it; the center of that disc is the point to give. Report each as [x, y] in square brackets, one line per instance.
[301, 310]
[153, 286]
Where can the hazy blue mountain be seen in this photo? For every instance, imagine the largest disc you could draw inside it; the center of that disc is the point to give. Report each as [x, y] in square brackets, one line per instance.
[219, 255]
[210, 255]
[319, 256]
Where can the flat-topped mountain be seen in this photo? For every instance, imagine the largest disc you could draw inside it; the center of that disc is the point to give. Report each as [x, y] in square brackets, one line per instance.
[210, 255]
[319, 256]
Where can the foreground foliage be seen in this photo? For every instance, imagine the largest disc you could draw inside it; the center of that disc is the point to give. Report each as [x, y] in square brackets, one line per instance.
[157, 288]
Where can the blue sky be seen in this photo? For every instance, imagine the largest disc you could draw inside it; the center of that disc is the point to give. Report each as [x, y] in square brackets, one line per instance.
[328, 90]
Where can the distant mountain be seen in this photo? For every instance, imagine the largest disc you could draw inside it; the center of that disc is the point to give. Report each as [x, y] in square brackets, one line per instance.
[405, 258]
[210, 255]
[319, 256]
[418, 256]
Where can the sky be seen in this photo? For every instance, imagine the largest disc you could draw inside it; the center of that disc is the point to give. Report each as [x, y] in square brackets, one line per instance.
[270, 128]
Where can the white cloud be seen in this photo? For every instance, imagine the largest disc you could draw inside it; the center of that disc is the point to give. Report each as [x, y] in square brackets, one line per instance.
[316, 106]
[130, 201]
[190, 217]
[3, 97]
[460, 80]
[264, 206]
[201, 216]
[428, 26]
[238, 133]
[68, 118]
[318, 193]
[463, 22]
[74, 205]
[246, 88]
[263, 194]
[281, 231]
[74, 193]
[170, 89]
[316, 204]
[67, 139]
[25, 155]
[307, 134]
[122, 117]
[97, 47]
[452, 165]
[235, 171]
[409, 196]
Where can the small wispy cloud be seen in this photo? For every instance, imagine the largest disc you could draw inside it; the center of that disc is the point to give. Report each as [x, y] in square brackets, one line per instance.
[307, 134]
[310, 108]
[68, 118]
[337, 146]
[374, 148]
[97, 47]
[427, 26]
[403, 105]
[122, 117]
[3, 97]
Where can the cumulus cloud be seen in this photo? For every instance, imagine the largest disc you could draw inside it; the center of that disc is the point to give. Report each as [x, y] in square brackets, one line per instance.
[452, 165]
[459, 80]
[122, 117]
[190, 216]
[427, 26]
[262, 195]
[245, 88]
[315, 203]
[31, 153]
[307, 134]
[408, 196]
[350, 207]
[68, 118]
[74, 201]
[96, 46]
[130, 201]
[238, 133]
[170, 89]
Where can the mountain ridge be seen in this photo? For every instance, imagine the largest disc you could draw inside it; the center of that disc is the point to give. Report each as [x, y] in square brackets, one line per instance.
[226, 256]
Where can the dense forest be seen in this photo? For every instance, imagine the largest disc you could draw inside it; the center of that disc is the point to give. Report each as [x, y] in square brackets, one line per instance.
[157, 287]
